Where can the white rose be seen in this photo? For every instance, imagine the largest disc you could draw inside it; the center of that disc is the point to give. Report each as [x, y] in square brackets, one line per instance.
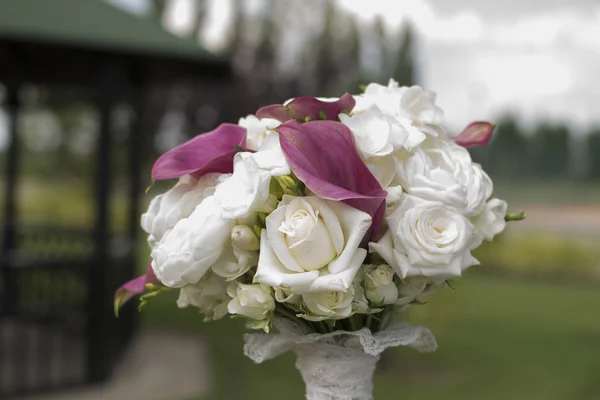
[491, 221]
[442, 171]
[427, 239]
[270, 157]
[166, 209]
[257, 129]
[379, 285]
[247, 190]
[209, 295]
[394, 197]
[312, 245]
[386, 98]
[193, 245]
[253, 301]
[418, 105]
[376, 138]
[371, 131]
[329, 305]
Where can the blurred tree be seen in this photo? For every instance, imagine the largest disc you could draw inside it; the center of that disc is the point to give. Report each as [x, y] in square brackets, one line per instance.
[264, 72]
[159, 8]
[384, 62]
[404, 69]
[201, 10]
[508, 152]
[593, 145]
[351, 60]
[550, 151]
[326, 66]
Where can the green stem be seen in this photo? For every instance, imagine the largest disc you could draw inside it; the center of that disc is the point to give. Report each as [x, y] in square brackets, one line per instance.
[369, 321]
[354, 326]
[287, 313]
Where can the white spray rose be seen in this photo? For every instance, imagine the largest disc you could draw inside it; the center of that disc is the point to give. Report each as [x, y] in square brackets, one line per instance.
[380, 288]
[166, 209]
[209, 295]
[257, 129]
[411, 288]
[283, 295]
[491, 221]
[327, 305]
[442, 171]
[312, 245]
[253, 301]
[244, 238]
[234, 262]
[193, 245]
[247, 190]
[427, 239]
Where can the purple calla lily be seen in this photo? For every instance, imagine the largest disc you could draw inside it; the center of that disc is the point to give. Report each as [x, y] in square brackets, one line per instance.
[133, 288]
[323, 155]
[207, 152]
[311, 108]
[476, 134]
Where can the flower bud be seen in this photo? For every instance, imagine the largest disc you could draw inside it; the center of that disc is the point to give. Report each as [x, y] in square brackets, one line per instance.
[244, 238]
[379, 285]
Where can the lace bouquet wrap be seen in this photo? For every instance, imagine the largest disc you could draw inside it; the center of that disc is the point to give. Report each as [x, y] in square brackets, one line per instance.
[337, 365]
[318, 221]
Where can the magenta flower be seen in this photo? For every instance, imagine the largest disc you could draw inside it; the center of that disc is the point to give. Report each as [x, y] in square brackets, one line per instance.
[308, 108]
[323, 155]
[207, 152]
[476, 134]
[133, 288]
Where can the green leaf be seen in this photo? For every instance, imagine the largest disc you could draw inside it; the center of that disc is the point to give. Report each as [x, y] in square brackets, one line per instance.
[238, 149]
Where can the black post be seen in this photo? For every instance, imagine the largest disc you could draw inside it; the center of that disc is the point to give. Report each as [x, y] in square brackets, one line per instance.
[129, 318]
[10, 205]
[99, 279]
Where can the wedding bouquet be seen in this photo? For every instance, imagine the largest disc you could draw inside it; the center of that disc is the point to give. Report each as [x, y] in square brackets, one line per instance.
[322, 218]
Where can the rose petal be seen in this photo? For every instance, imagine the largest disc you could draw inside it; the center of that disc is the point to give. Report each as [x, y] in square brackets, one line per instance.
[133, 288]
[207, 152]
[322, 154]
[475, 134]
[302, 107]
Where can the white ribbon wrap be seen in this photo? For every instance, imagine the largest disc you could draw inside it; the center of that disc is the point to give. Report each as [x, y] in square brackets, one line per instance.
[337, 365]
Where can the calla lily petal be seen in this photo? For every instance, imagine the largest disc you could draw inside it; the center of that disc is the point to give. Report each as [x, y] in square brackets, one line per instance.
[323, 155]
[133, 288]
[303, 108]
[207, 152]
[475, 134]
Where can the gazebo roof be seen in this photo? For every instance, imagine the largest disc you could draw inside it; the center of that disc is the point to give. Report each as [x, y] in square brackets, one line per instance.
[95, 25]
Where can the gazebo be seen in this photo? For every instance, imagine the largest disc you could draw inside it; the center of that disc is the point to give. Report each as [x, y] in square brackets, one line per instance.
[56, 321]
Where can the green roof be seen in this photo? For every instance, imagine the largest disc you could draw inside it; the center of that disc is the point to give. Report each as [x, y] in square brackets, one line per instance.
[95, 24]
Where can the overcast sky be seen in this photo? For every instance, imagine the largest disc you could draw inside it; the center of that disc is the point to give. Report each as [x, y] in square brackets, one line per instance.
[535, 58]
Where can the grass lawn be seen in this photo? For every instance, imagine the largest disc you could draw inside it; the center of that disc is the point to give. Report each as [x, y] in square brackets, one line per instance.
[498, 340]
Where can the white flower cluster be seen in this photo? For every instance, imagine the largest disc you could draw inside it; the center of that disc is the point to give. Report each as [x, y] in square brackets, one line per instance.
[245, 245]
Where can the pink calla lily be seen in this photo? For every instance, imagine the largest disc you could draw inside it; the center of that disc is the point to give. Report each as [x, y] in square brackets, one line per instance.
[476, 134]
[207, 152]
[323, 155]
[311, 108]
[133, 288]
